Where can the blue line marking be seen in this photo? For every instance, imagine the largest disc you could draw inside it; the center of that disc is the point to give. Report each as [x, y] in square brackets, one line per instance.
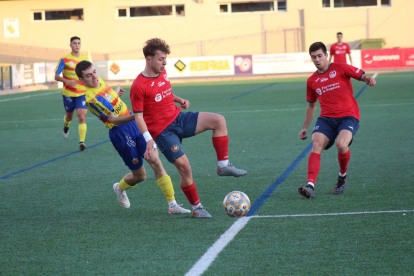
[259, 202]
[47, 162]
[254, 90]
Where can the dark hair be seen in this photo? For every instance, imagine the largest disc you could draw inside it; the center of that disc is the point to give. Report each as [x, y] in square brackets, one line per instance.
[316, 46]
[73, 38]
[338, 33]
[81, 66]
[154, 44]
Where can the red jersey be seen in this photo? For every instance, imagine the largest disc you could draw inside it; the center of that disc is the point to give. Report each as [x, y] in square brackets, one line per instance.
[339, 52]
[154, 97]
[333, 89]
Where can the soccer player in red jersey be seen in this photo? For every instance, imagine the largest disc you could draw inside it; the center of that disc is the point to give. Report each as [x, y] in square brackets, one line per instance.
[339, 118]
[163, 123]
[339, 50]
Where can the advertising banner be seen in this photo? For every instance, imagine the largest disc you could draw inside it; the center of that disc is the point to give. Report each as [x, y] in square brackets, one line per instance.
[282, 63]
[408, 57]
[381, 58]
[243, 64]
[125, 69]
[200, 66]
[18, 75]
[39, 72]
[11, 27]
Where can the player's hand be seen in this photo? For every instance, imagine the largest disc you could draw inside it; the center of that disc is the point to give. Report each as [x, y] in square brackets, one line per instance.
[72, 83]
[184, 104]
[119, 90]
[151, 147]
[302, 134]
[370, 81]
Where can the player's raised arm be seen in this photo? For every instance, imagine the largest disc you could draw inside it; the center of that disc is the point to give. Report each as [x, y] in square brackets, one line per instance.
[142, 126]
[370, 81]
[310, 112]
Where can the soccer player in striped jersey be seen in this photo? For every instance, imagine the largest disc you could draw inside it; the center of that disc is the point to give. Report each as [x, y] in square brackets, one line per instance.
[105, 103]
[73, 90]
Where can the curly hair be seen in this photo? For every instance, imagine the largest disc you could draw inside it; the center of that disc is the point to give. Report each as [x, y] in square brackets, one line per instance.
[154, 44]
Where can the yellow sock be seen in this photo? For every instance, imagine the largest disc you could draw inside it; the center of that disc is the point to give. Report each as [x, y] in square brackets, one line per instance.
[82, 132]
[124, 186]
[165, 184]
[65, 123]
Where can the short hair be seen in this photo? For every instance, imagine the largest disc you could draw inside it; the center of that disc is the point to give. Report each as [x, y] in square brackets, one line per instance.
[81, 66]
[154, 44]
[74, 38]
[316, 46]
[338, 33]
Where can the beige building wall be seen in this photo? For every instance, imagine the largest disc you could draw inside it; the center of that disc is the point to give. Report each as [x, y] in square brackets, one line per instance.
[203, 30]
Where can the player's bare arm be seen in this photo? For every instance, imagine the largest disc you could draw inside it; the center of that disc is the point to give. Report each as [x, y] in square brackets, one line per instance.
[72, 83]
[310, 112]
[119, 91]
[120, 120]
[184, 104]
[142, 126]
[350, 59]
[370, 81]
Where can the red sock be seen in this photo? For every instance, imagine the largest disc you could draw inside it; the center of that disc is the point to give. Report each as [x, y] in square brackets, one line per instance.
[343, 160]
[221, 145]
[191, 194]
[314, 164]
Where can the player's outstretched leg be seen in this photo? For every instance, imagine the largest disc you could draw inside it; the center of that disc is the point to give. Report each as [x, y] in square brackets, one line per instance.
[217, 123]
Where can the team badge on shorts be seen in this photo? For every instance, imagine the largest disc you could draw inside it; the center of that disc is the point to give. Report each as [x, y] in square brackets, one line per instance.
[135, 161]
[175, 148]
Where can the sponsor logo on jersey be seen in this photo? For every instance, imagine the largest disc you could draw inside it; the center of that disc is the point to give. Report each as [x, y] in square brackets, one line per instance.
[332, 74]
[357, 71]
[161, 83]
[108, 97]
[324, 79]
[158, 98]
[175, 148]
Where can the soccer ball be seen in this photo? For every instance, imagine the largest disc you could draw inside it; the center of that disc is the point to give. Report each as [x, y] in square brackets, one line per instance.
[236, 204]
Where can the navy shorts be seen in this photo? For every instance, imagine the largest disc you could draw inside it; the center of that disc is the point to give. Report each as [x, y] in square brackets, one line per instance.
[332, 126]
[71, 103]
[130, 144]
[169, 140]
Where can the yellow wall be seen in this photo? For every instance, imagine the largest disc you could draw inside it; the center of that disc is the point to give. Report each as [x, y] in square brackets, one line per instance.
[203, 31]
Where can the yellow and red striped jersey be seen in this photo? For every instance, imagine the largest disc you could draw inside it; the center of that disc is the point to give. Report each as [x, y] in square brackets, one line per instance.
[103, 100]
[66, 66]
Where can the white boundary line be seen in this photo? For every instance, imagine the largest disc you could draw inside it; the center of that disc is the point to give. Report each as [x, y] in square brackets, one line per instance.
[335, 214]
[227, 112]
[29, 96]
[205, 261]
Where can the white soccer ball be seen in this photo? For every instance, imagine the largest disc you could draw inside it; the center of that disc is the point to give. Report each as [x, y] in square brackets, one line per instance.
[236, 204]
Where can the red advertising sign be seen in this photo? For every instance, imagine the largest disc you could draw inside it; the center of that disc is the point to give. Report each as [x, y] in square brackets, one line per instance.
[408, 60]
[387, 58]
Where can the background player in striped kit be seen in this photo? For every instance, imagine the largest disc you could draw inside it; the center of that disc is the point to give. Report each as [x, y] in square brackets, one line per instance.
[73, 90]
